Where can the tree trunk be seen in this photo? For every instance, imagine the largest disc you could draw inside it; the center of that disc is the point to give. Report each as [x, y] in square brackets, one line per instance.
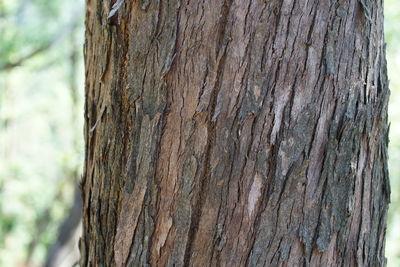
[235, 133]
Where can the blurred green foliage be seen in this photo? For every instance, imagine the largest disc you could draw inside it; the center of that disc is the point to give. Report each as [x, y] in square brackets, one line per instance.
[392, 36]
[41, 126]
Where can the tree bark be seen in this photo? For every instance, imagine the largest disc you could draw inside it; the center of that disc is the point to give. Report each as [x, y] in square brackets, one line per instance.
[235, 133]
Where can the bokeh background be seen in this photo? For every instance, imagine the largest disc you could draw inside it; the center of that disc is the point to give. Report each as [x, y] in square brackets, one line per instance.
[41, 130]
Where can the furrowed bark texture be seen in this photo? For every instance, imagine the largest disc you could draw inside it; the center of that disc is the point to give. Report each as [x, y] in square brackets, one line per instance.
[235, 133]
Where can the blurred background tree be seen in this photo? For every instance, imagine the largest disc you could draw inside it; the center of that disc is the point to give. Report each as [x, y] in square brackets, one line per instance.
[41, 121]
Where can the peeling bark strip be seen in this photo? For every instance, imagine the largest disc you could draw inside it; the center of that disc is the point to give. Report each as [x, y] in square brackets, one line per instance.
[235, 133]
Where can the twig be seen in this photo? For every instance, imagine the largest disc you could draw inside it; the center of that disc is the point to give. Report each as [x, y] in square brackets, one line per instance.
[57, 38]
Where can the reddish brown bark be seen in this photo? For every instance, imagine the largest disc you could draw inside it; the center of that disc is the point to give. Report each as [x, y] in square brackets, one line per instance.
[235, 133]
